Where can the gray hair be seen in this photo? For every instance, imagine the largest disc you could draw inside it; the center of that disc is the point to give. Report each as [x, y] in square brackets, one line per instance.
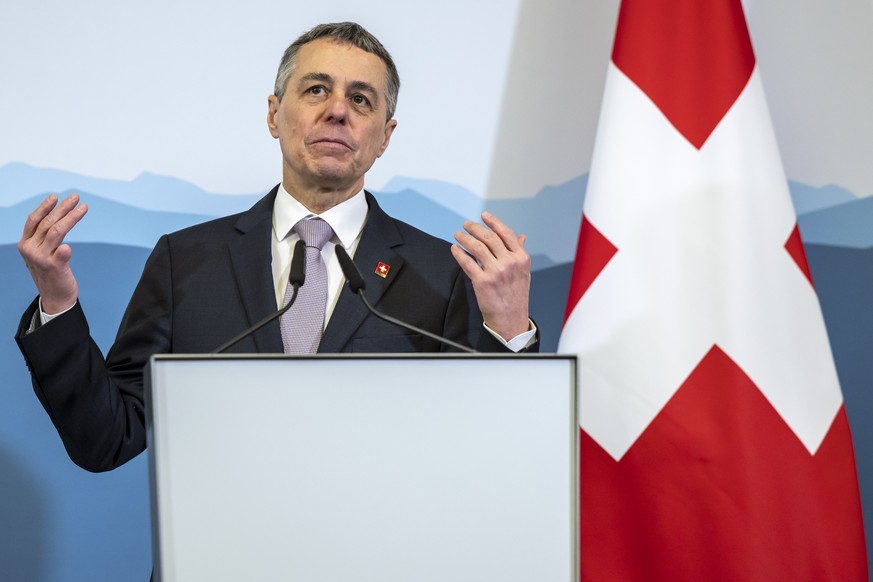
[345, 33]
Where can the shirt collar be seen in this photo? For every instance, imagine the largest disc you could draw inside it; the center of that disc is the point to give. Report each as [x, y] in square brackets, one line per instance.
[346, 219]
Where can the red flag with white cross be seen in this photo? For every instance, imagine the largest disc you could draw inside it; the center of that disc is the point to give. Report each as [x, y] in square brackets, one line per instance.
[714, 442]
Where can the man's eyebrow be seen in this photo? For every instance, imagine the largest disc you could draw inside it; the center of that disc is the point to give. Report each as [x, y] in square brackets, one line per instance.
[362, 86]
[321, 77]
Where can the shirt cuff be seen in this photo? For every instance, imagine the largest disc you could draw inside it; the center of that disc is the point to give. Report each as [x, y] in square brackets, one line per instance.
[519, 342]
[44, 317]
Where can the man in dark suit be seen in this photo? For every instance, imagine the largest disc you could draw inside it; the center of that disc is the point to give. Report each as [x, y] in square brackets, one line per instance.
[332, 113]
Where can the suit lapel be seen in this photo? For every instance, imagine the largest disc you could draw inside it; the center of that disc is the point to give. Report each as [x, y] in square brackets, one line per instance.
[253, 274]
[379, 242]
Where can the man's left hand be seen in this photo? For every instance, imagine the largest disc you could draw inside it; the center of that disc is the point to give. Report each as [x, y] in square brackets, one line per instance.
[500, 273]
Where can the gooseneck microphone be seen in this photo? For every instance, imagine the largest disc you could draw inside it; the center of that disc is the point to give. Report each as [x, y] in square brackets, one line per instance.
[296, 278]
[356, 284]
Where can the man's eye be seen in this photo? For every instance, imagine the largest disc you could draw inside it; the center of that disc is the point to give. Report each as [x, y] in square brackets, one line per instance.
[317, 90]
[360, 100]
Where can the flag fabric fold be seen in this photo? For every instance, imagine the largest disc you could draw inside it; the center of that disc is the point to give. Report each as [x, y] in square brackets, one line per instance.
[714, 442]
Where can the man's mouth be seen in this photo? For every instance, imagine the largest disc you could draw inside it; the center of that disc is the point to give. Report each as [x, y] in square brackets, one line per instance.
[331, 141]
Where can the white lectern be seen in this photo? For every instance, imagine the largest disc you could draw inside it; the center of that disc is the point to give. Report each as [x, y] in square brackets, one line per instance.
[372, 468]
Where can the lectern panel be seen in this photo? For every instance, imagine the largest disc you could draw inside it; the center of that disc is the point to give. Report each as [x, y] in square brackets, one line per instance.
[375, 468]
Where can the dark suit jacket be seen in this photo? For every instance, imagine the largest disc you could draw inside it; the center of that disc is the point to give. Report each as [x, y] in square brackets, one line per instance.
[205, 284]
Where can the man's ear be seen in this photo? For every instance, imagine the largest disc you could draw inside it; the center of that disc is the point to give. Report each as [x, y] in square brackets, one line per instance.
[272, 112]
[389, 129]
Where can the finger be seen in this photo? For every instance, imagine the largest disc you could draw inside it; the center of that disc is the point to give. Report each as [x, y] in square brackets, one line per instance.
[60, 224]
[490, 239]
[474, 244]
[60, 210]
[506, 234]
[500, 240]
[467, 263]
[35, 217]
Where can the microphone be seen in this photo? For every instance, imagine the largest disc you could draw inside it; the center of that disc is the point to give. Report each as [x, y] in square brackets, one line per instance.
[357, 285]
[296, 278]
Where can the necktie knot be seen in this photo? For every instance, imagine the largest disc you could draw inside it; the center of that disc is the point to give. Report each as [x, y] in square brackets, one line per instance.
[315, 232]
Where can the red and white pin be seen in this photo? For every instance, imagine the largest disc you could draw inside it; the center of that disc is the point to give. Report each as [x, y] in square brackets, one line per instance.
[382, 269]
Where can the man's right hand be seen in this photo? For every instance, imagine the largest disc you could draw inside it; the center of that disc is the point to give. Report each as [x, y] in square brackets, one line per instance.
[45, 254]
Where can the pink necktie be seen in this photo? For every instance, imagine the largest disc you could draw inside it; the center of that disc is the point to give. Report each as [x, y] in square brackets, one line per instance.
[303, 323]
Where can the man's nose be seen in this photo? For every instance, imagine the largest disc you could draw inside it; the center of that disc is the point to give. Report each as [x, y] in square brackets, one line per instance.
[336, 108]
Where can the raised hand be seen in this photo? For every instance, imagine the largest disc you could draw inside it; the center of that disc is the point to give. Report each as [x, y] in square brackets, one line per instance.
[47, 256]
[500, 273]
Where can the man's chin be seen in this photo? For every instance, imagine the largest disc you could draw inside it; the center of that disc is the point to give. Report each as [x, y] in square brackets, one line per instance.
[328, 173]
[335, 176]
[333, 172]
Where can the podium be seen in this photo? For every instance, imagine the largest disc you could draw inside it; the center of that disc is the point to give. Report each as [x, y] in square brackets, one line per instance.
[367, 468]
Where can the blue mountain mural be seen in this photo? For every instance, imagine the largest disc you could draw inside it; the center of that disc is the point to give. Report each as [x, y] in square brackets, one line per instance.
[808, 199]
[19, 182]
[845, 225]
[106, 221]
[137, 212]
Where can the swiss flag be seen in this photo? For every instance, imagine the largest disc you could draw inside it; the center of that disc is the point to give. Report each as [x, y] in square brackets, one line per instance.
[714, 442]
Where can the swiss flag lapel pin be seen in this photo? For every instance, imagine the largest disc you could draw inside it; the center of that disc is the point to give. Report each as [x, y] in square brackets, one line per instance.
[382, 269]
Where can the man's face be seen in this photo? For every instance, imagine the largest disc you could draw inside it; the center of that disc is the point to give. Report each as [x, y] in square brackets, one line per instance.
[331, 122]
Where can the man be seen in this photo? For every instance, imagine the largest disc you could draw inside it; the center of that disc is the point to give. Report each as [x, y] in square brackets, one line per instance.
[332, 113]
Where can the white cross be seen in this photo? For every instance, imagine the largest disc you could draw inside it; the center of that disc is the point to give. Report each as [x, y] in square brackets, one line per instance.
[700, 261]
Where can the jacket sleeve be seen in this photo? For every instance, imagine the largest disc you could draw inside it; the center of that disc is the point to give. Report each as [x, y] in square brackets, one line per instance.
[96, 404]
